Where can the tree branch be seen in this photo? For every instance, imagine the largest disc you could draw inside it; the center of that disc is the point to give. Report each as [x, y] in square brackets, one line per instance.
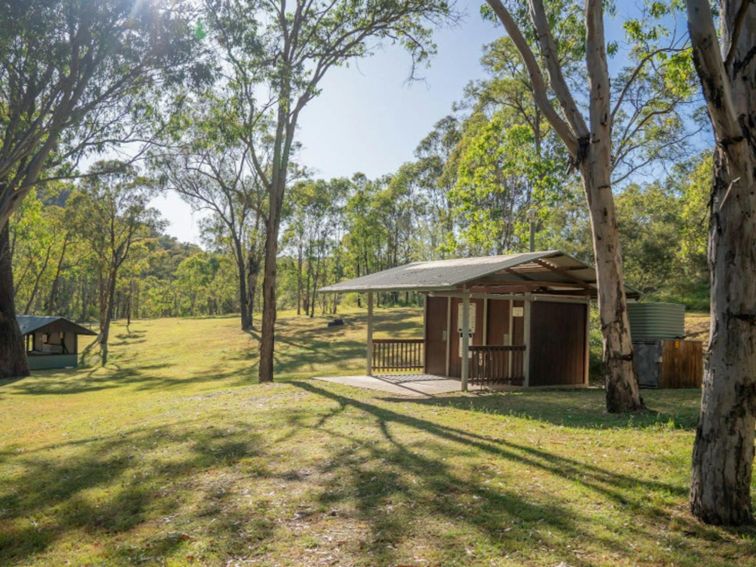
[737, 26]
[558, 82]
[561, 127]
[716, 83]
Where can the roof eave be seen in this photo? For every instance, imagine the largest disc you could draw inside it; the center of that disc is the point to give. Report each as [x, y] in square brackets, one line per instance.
[399, 287]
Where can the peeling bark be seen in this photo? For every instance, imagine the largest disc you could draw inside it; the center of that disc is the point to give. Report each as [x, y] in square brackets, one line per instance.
[723, 451]
[590, 147]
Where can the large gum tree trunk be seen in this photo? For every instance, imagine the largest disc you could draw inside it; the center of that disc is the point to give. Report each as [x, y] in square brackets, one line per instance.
[723, 451]
[620, 381]
[12, 350]
[590, 147]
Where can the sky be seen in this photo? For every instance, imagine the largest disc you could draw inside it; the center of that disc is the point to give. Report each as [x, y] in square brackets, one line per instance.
[369, 118]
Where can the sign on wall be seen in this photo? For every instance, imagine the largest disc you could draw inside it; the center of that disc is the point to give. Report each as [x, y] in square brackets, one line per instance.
[459, 325]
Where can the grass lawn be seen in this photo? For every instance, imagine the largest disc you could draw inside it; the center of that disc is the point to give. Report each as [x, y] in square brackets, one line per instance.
[173, 455]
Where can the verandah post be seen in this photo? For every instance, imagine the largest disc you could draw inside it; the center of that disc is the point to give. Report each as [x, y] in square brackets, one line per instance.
[526, 336]
[465, 338]
[370, 333]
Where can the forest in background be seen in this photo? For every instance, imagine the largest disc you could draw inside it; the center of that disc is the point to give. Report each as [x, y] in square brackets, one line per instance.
[476, 186]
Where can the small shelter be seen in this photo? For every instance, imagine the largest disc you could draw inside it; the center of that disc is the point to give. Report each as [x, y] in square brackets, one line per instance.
[520, 319]
[51, 342]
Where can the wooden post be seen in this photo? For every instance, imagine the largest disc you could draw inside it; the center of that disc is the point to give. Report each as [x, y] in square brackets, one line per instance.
[485, 321]
[425, 333]
[510, 341]
[526, 339]
[448, 333]
[587, 341]
[370, 333]
[465, 339]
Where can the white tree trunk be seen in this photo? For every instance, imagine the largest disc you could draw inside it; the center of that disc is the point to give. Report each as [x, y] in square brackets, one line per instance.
[590, 148]
[620, 381]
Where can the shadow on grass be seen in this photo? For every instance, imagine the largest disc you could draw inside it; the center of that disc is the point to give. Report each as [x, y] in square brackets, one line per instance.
[301, 349]
[77, 382]
[574, 408]
[304, 355]
[376, 476]
[117, 483]
[297, 355]
[129, 338]
[391, 323]
[385, 468]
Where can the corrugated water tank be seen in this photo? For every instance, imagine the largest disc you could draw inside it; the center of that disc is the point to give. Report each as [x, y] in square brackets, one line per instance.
[650, 321]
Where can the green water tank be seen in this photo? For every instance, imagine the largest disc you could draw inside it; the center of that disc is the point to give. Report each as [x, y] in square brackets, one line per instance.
[651, 321]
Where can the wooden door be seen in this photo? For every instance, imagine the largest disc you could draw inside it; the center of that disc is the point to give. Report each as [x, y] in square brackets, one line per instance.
[436, 335]
[498, 322]
[455, 360]
[499, 319]
[557, 343]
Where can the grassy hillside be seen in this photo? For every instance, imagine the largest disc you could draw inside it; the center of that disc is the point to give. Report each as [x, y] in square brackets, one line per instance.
[173, 455]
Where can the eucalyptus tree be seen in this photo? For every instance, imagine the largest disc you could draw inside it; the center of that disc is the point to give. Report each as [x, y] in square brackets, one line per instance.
[314, 226]
[275, 54]
[365, 230]
[507, 96]
[72, 79]
[40, 234]
[630, 124]
[435, 173]
[112, 216]
[502, 183]
[212, 170]
[723, 452]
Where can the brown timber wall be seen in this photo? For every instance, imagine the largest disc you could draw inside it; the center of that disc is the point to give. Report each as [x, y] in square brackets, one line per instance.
[681, 364]
[435, 335]
[557, 342]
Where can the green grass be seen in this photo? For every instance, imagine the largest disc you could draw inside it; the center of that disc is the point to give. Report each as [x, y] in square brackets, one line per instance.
[173, 455]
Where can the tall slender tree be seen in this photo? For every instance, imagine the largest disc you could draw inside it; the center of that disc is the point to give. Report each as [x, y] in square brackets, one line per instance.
[723, 452]
[112, 216]
[597, 151]
[208, 166]
[277, 54]
[435, 173]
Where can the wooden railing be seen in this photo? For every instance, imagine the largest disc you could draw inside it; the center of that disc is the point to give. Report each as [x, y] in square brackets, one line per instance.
[398, 355]
[497, 364]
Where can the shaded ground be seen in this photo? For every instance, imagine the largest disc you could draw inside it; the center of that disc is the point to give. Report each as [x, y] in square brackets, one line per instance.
[175, 456]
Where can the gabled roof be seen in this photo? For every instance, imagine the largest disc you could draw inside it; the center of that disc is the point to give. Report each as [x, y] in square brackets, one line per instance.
[547, 271]
[31, 323]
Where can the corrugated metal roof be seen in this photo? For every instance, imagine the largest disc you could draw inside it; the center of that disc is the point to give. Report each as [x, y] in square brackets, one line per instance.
[442, 275]
[31, 323]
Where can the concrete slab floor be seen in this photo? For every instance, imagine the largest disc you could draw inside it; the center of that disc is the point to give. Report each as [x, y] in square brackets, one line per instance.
[411, 386]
